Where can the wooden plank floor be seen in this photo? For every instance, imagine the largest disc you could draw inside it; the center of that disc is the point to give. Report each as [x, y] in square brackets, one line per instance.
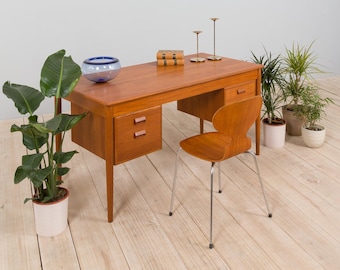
[302, 185]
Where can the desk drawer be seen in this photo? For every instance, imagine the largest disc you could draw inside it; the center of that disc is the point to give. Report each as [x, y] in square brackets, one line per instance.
[240, 92]
[137, 134]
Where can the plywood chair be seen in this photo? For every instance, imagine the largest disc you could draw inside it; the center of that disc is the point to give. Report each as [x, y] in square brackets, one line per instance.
[232, 123]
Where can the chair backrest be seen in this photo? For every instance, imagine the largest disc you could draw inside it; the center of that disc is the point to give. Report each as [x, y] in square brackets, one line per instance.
[235, 119]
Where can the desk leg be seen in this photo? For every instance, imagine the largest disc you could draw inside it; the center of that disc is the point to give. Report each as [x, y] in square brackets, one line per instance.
[201, 125]
[258, 136]
[58, 109]
[109, 190]
[109, 166]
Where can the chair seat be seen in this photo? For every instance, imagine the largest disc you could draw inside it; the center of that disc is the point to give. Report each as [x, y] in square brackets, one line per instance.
[207, 146]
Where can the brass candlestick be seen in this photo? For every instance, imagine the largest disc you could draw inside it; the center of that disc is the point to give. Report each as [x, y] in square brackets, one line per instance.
[214, 57]
[197, 59]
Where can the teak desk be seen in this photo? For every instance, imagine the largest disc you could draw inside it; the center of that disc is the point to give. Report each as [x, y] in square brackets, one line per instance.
[125, 114]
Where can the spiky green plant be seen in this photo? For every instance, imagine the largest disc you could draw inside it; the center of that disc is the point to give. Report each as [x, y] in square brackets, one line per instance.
[271, 89]
[299, 66]
[313, 107]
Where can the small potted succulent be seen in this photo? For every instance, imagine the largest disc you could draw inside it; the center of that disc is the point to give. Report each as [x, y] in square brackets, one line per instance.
[44, 157]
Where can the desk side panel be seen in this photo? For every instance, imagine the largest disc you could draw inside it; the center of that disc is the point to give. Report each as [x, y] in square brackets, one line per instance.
[203, 106]
[90, 132]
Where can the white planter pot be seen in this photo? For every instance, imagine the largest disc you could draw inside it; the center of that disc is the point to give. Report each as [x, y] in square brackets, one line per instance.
[51, 218]
[313, 138]
[274, 135]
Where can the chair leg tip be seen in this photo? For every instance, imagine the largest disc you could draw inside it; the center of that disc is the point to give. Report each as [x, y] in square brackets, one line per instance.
[170, 214]
[211, 246]
[270, 215]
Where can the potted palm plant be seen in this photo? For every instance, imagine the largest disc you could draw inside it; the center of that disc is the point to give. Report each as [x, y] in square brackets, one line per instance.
[299, 67]
[43, 160]
[312, 111]
[274, 126]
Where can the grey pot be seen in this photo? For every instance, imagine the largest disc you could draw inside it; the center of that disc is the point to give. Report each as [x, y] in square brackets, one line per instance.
[293, 122]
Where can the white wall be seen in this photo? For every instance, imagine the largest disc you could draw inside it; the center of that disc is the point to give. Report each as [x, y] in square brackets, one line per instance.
[133, 30]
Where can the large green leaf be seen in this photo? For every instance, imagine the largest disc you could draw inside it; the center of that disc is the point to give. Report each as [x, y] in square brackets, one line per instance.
[35, 134]
[69, 121]
[63, 157]
[37, 176]
[20, 174]
[31, 162]
[59, 75]
[49, 126]
[32, 138]
[30, 169]
[26, 99]
[62, 171]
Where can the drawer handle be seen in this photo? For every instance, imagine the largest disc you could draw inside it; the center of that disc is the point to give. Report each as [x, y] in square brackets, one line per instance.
[140, 120]
[240, 91]
[140, 133]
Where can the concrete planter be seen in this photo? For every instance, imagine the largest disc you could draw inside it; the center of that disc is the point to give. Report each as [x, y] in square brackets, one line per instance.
[294, 123]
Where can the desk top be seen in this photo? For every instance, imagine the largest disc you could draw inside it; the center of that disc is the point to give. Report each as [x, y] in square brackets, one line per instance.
[149, 80]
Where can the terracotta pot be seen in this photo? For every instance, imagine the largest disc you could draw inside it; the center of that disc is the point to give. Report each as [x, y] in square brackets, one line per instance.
[274, 135]
[51, 218]
[313, 138]
[293, 122]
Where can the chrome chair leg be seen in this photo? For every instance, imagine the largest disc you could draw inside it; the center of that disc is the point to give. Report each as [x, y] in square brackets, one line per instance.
[219, 177]
[260, 179]
[174, 182]
[211, 245]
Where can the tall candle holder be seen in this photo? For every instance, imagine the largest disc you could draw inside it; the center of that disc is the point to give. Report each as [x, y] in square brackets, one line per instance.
[197, 59]
[214, 57]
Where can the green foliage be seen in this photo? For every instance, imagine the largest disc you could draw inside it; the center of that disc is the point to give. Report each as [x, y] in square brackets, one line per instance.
[312, 108]
[26, 99]
[272, 82]
[42, 164]
[300, 89]
[56, 67]
[299, 68]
